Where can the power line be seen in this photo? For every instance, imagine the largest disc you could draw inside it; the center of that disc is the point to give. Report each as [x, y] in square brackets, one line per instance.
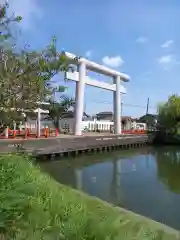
[147, 107]
[125, 104]
[132, 105]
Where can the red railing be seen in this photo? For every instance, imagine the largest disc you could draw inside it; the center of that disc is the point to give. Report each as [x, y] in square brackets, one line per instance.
[46, 132]
[137, 132]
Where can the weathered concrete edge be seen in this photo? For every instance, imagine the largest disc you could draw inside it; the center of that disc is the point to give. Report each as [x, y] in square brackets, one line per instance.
[67, 145]
[154, 224]
[139, 218]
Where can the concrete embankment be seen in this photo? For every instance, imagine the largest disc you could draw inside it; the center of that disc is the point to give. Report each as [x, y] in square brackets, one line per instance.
[71, 144]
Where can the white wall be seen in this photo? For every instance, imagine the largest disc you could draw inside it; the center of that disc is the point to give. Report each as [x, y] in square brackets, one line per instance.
[140, 126]
[89, 125]
[32, 124]
[95, 124]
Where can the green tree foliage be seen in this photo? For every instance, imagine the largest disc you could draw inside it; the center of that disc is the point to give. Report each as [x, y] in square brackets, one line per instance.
[24, 74]
[60, 106]
[149, 119]
[168, 169]
[5, 23]
[169, 114]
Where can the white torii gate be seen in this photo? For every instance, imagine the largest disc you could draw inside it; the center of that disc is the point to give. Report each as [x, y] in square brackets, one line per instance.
[81, 79]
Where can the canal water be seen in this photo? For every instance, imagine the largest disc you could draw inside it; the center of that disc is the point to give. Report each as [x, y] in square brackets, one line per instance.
[146, 181]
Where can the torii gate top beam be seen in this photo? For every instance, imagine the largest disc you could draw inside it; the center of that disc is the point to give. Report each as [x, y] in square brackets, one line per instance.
[92, 66]
[92, 82]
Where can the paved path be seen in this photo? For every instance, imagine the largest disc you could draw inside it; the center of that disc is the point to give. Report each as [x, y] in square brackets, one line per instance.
[88, 134]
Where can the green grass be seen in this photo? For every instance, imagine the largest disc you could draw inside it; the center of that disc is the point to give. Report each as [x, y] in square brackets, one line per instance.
[34, 206]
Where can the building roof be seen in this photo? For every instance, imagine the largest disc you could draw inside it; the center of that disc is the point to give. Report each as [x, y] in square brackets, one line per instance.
[70, 114]
[125, 118]
[110, 114]
[105, 113]
[148, 118]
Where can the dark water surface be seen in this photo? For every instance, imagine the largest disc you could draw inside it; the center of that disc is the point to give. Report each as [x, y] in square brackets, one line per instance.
[146, 181]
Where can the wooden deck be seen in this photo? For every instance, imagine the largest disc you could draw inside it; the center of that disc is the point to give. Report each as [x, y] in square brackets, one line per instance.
[65, 144]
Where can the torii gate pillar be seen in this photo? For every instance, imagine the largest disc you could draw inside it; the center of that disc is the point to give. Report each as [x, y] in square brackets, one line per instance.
[80, 87]
[117, 105]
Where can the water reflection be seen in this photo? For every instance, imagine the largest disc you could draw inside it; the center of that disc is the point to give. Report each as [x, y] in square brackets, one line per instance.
[79, 180]
[146, 181]
[168, 165]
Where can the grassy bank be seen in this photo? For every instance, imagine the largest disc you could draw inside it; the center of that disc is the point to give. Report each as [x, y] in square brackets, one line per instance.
[34, 206]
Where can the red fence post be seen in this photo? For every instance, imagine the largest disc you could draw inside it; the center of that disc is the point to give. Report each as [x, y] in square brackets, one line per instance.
[14, 133]
[26, 134]
[57, 132]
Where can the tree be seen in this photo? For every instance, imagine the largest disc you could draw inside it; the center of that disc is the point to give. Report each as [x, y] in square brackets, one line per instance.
[58, 108]
[169, 114]
[6, 21]
[149, 119]
[24, 74]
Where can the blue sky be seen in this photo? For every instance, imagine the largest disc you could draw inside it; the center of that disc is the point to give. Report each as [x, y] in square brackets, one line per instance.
[137, 37]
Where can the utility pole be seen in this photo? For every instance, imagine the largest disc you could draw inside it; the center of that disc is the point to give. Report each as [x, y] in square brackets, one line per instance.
[121, 115]
[147, 108]
[84, 110]
[85, 106]
[121, 108]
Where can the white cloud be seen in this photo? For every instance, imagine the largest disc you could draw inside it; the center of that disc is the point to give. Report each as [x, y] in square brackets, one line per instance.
[115, 61]
[167, 61]
[29, 10]
[167, 44]
[88, 54]
[141, 39]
